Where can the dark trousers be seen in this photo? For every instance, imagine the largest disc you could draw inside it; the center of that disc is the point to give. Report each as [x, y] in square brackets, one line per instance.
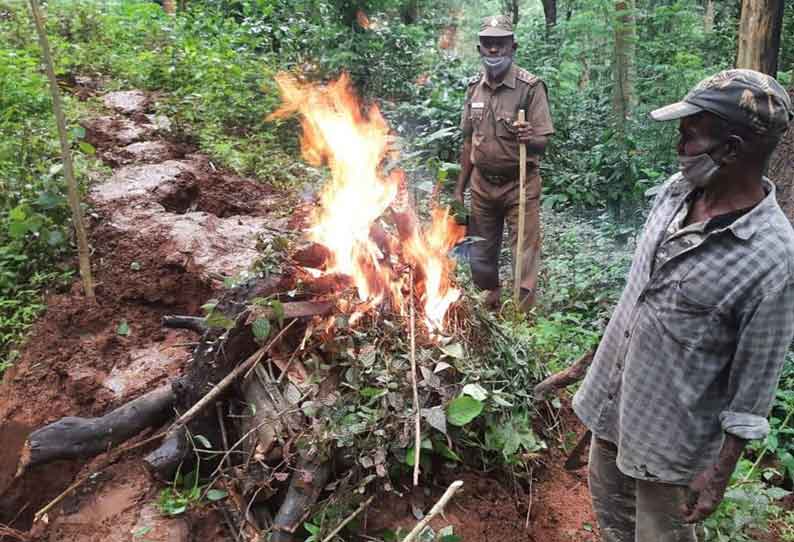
[632, 510]
[491, 205]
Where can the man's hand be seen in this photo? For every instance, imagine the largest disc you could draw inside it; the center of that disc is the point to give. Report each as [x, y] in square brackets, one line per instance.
[524, 131]
[706, 493]
[458, 194]
[708, 488]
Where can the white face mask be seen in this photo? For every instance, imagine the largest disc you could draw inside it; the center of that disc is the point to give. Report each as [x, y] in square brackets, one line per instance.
[496, 66]
[699, 170]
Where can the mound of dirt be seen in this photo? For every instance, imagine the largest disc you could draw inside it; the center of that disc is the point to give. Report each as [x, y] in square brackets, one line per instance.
[165, 230]
[492, 510]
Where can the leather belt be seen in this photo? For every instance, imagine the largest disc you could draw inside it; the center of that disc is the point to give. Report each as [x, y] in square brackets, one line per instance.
[498, 179]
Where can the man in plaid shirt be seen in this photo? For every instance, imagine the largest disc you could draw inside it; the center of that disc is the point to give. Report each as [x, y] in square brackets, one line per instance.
[687, 369]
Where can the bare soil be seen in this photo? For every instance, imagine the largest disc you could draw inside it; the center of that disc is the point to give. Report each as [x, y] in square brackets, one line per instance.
[167, 227]
[492, 508]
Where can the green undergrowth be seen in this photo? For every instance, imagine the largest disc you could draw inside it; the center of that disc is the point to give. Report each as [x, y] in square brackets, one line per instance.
[34, 216]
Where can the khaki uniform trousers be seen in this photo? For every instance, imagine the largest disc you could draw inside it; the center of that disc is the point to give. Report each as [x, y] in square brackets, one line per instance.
[491, 205]
[632, 510]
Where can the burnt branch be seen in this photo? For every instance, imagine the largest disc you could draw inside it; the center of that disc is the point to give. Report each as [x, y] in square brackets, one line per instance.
[82, 438]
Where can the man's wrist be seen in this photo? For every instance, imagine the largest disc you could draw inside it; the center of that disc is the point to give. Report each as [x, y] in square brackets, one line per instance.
[463, 181]
[731, 452]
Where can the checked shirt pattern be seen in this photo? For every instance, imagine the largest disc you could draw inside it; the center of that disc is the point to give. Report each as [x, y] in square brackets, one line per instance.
[696, 345]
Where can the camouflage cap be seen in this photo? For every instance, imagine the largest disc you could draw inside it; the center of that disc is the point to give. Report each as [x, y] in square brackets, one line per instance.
[745, 97]
[496, 26]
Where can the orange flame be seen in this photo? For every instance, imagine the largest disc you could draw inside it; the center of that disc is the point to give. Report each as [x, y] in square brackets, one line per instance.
[362, 19]
[353, 141]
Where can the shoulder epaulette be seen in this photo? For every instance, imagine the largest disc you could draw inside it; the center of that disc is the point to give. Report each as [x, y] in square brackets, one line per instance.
[525, 76]
[474, 80]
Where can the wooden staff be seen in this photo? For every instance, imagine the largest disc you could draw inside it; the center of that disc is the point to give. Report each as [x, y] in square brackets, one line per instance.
[522, 206]
[68, 169]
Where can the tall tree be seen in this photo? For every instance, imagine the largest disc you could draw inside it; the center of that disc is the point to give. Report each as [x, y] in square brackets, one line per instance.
[623, 98]
[550, 12]
[510, 8]
[409, 11]
[708, 17]
[759, 35]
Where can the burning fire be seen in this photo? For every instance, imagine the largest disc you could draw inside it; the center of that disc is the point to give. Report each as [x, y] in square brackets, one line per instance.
[353, 141]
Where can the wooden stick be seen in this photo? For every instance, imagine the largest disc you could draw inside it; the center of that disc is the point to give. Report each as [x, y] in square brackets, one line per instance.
[522, 206]
[438, 507]
[348, 519]
[417, 416]
[529, 504]
[68, 168]
[224, 436]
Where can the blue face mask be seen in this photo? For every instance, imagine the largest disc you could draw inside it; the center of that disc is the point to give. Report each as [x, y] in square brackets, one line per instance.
[496, 66]
[699, 170]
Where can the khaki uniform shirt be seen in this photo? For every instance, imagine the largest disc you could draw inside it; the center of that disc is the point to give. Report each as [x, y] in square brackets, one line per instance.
[489, 113]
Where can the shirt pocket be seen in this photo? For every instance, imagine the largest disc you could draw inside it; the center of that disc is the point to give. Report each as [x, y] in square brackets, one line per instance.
[691, 319]
[505, 128]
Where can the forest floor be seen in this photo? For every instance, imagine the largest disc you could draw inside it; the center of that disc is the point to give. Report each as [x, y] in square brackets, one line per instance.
[165, 228]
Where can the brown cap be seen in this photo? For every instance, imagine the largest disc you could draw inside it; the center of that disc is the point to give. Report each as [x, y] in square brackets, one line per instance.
[746, 97]
[496, 26]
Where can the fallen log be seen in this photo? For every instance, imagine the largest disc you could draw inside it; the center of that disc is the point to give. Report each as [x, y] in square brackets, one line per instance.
[193, 323]
[293, 309]
[264, 423]
[82, 438]
[310, 477]
[165, 460]
[218, 354]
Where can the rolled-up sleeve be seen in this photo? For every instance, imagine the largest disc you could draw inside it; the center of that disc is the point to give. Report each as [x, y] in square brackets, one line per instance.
[765, 334]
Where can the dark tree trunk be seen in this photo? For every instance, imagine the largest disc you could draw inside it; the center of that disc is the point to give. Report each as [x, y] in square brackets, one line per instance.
[759, 35]
[550, 12]
[410, 11]
[708, 17]
[781, 171]
[623, 99]
[510, 8]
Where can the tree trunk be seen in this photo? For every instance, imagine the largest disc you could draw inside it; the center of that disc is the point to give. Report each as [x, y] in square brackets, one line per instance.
[708, 17]
[510, 8]
[781, 171]
[550, 12]
[410, 12]
[759, 35]
[623, 66]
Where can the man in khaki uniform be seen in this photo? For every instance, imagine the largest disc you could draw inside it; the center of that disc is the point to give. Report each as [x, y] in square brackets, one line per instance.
[490, 158]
